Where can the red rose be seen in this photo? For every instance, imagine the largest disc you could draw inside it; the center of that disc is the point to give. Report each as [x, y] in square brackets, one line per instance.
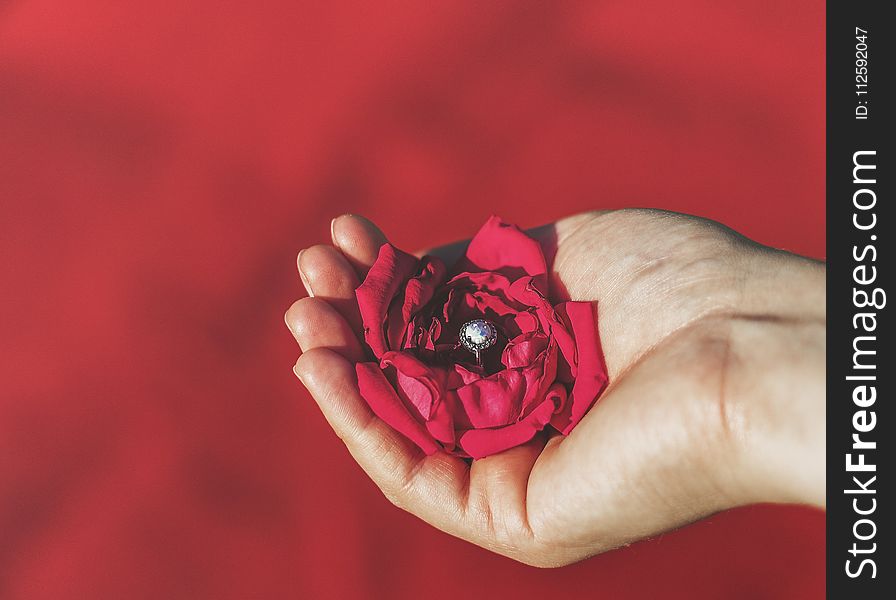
[546, 368]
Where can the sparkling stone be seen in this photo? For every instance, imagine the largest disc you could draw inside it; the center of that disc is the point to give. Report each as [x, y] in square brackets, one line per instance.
[478, 334]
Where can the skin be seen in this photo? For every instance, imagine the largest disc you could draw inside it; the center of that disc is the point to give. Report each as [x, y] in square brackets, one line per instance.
[715, 348]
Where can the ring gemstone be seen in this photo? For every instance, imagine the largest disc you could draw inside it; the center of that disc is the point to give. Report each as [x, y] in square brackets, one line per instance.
[478, 335]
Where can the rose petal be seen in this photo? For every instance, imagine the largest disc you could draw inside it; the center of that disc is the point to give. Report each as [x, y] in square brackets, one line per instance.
[460, 376]
[474, 280]
[526, 322]
[508, 395]
[525, 291]
[493, 401]
[566, 343]
[384, 402]
[506, 249]
[385, 279]
[543, 371]
[423, 339]
[479, 443]
[591, 371]
[416, 383]
[418, 290]
[479, 293]
[442, 424]
[522, 350]
[550, 322]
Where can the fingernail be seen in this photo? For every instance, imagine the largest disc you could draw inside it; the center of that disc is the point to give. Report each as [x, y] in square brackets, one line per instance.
[333, 227]
[295, 371]
[303, 277]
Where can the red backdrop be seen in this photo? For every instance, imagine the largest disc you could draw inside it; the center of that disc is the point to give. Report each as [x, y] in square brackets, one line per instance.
[162, 162]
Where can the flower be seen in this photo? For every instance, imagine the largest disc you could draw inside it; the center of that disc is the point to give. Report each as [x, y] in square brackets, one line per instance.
[546, 369]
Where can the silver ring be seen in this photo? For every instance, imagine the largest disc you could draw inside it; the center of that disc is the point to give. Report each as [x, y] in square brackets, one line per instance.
[478, 335]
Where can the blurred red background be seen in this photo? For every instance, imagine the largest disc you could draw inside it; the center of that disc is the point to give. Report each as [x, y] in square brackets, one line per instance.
[162, 162]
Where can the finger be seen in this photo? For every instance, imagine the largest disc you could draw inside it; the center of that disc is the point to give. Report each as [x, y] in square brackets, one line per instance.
[328, 276]
[498, 488]
[359, 240]
[431, 487]
[316, 324]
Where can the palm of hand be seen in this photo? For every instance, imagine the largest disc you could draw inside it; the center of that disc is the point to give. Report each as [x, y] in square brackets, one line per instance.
[657, 451]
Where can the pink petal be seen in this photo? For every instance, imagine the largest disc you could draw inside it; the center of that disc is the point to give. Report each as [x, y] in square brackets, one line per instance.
[524, 290]
[476, 280]
[479, 443]
[421, 288]
[543, 374]
[522, 350]
[460, 376]
[553, 324]
[422, 338]
[386, 278]
[493, 401]
[567, 345]
[509, 395]
[381, 398]
[590, 370]
[418, 290]
[527, 292]
[415, 383]
[480, 292]
[442, 423]
[526, 322]
[505, 248]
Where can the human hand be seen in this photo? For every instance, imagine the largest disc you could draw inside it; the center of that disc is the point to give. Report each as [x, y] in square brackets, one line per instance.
[715, 351]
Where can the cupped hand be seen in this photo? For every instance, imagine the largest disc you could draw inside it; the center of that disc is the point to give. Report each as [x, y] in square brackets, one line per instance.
[715, 351]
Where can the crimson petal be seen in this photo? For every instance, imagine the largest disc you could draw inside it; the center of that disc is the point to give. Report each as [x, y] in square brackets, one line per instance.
[386, 404]
[590, 372]
[506, 249]
[386, 278]
[479, 443]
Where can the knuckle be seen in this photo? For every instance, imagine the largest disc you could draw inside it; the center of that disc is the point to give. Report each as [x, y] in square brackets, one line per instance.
[303, 366]
[397, 495]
